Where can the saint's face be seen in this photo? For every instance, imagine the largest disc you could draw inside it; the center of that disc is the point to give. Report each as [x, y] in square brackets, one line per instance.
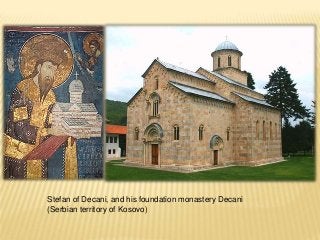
[93, 49]
[46, 75]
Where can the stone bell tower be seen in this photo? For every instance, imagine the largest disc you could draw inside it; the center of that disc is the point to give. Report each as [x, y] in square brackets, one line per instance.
[227, 61]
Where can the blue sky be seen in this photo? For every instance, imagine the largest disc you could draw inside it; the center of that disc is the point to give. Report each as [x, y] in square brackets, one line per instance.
[131, 49]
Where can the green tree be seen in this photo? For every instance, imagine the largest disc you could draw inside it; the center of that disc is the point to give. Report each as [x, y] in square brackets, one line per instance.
[312, 119]
[250, 81]
[299, 138]
[116, 112]
[282, 94]
[305, 136]
[289, 146]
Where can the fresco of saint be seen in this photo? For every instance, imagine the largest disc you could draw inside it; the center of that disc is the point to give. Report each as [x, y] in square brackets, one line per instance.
[46, 132]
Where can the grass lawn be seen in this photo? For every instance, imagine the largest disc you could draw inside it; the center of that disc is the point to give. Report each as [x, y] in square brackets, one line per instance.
[300, 168]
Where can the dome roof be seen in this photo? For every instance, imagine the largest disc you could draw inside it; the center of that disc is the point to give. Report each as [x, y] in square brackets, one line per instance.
[76, 86]
[227, 45]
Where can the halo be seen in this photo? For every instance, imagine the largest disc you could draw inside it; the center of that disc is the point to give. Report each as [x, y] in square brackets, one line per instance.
[92, 36]
[46, 47]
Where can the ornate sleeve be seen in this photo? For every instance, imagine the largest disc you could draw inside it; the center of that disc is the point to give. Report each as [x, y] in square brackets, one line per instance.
[18, 119]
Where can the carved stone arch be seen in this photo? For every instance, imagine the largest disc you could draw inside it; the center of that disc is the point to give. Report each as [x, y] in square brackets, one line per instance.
[154, 96]
[153, 133]
[156, 82]
[153, 104]
[229, 61]
[200, 131]
[216, 143]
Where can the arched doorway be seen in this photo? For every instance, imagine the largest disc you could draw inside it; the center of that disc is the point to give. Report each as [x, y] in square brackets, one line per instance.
[152, 144]
[216, 145]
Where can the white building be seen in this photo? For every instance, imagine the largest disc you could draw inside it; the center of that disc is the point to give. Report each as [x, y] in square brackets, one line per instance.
[113, 138]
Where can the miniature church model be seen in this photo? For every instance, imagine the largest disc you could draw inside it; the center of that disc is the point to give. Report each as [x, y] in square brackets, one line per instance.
[77, 119]
[201, 119]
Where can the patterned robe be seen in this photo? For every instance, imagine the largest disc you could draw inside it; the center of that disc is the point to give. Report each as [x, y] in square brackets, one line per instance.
[27, 123]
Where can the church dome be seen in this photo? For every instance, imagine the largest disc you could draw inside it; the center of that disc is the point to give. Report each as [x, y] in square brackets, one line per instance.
[227, 45]
[76, 86]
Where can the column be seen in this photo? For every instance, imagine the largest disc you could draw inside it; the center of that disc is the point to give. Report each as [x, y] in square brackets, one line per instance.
[159, 154]
[144, 153]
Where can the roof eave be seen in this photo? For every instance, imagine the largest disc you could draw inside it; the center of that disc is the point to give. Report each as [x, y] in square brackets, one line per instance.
[174, 70]
[208, 80]
[146, 72]
[268, 106]
[216, 51]
[245, 87]
[214, 99]
[134, 96]
[194, 94]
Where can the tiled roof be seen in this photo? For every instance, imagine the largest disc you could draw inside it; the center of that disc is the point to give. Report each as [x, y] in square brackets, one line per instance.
[75, 121]
[116, 129]
[84, 107]
[87, 107]
[182, 70]
[177, 69]
[229, 80]
[198, 92]
[63, 106]
[253, 100]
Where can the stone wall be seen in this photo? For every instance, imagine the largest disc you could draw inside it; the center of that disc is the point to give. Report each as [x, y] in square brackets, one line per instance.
[216, 119]
[136, 116]
[177, 108]
[235, 59]
[175, 112]
[234, 74]
[266, 144]
[225, 89]
[253, 145]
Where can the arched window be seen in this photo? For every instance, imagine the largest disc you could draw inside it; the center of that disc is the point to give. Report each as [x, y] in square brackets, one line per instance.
[229, 60]
[154, 99]
[228, 133]
[176, 132]
[156, 83]
[264, 130]
[155, 108]
[200, 132]
[270, 130]
[136, 133]
[257, 129]
[219, 61]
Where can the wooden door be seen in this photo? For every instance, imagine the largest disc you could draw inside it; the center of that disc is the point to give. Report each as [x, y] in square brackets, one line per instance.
[155, 154]
[215, 157]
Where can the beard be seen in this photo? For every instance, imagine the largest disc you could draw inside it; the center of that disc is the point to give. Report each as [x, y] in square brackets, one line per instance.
[45, 84]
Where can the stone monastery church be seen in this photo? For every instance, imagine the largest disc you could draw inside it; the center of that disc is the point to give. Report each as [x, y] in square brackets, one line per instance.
[201, 119]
